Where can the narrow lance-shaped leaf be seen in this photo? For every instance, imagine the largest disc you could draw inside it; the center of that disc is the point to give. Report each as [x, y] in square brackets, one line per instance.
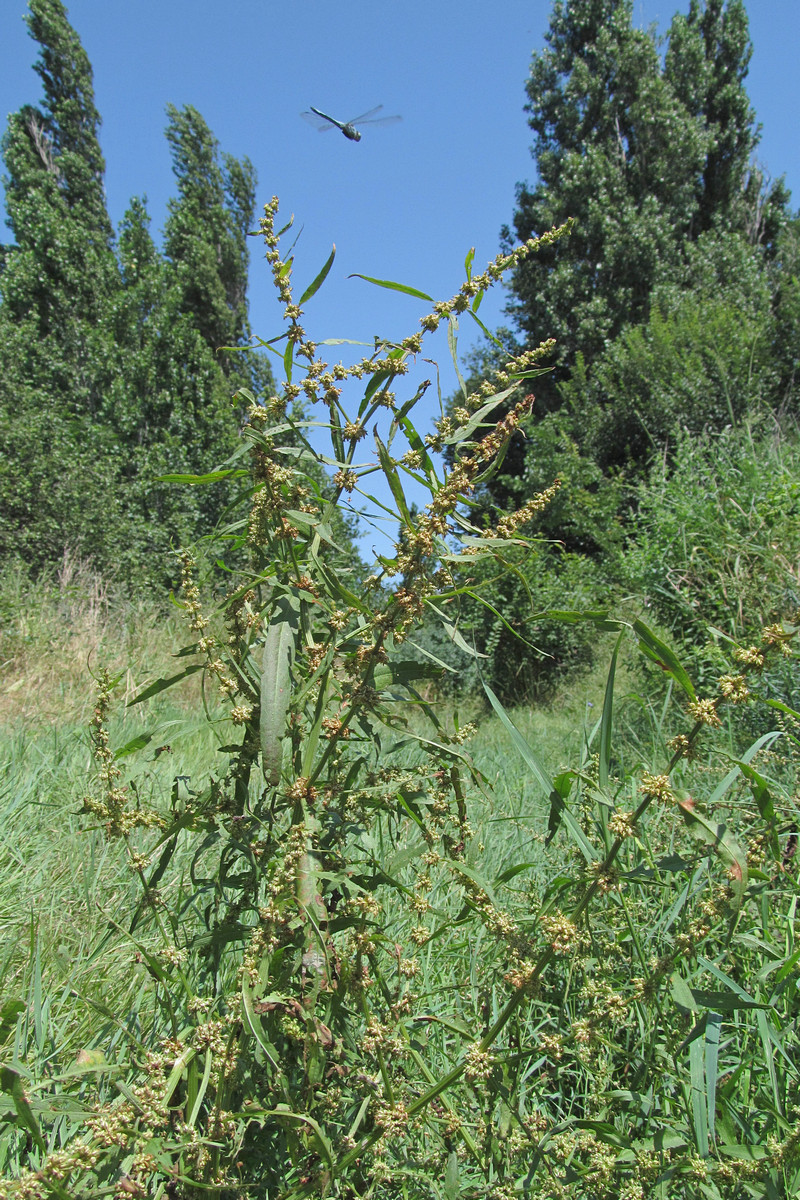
[606, 723]
[392, 478]
[394, 287]
[452, 342]
[666, 658]
[276, 682]
[209, 477]
[719, 837]
[466, 431]
[699, 1101]
[555, 794]
[317, 283]
[713, 1026]
[375, 384]
[161, 685]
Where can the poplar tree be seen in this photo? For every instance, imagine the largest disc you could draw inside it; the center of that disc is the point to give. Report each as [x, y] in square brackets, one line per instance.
[661, 300]
[112, 369]
[183, 320]
[58, 279]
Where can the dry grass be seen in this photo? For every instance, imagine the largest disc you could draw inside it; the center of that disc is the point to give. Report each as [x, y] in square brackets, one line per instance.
[56, 635]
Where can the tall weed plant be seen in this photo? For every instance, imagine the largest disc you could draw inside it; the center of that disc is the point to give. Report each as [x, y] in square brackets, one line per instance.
[337, 989]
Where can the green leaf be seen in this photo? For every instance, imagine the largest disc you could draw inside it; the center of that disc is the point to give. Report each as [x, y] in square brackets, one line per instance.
[599, 618]
[253, 1021]
[161, 685]
[464, 432]
[137, 743]
[659, 652]
[443, 666]
[394, 287]
[681, 992]
[402, 673]
[283, 1115]
[699, 1095]
[455, 637]
[784, 708]
[722, 841]
[8, 1016]
[527, 753]
[393, 479]
[320, 279]
[336, 434]
[452, 343]
[479, 880]
[483, 328]
[416, 443]
[276, 678]
[760, 789]
[451, 1184]
[210, 477]
[517, 869]
[11, 1084]
[723, 1001]
[607, 720]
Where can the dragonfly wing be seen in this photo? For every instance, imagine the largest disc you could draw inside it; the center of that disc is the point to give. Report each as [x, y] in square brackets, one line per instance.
[367, 116]
[379, 120]
[320, 123]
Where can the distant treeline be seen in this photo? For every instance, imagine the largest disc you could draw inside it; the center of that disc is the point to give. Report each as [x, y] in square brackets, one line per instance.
[675, 305]
[111, 368]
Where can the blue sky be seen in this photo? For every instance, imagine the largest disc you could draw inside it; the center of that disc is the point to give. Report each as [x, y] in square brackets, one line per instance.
[409, 200]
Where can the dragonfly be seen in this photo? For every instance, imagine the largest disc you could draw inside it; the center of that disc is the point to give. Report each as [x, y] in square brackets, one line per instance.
[323, 122]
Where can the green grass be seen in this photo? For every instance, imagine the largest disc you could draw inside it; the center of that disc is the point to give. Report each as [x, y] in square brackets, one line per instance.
[705, 1077]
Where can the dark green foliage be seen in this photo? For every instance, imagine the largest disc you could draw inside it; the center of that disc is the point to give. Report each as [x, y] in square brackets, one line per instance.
[674, 302]
[786, 275]
[717, 534]
[58, 280]
[206, 230]
[111, 368]
[613, 150]
[706, 65]
[647, 157]
[703, 359]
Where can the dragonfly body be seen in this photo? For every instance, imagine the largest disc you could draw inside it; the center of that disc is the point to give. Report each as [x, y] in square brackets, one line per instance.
[347, 127]
[322, 121]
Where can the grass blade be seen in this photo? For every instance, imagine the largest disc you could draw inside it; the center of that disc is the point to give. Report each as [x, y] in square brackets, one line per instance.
[607, 720]
[713, 1026]
[543, 779]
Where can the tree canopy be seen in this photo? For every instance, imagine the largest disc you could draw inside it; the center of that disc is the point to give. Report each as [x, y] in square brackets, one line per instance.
[112, 368]
[673, 302]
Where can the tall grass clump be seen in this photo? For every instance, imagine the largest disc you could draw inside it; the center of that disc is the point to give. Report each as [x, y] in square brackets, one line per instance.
[353, 970]
[67, 621]
[716, 544]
